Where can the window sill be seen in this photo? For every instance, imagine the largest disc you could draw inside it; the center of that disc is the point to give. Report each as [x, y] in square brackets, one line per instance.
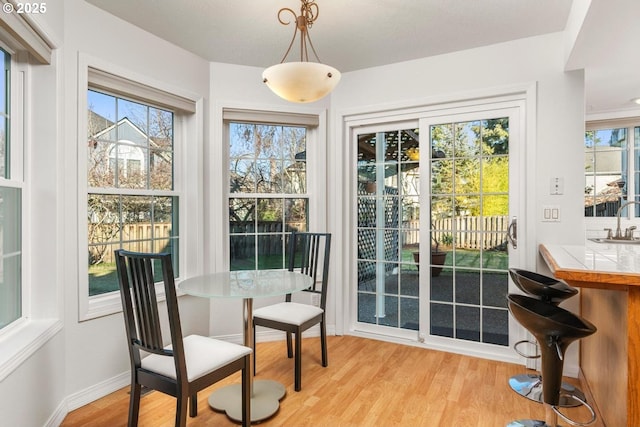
[23, 341]
[106, 304]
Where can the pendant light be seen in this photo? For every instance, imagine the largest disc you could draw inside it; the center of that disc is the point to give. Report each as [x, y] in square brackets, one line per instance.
[301, 81]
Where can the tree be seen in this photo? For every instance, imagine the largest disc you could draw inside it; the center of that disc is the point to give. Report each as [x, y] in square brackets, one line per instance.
[464, 155]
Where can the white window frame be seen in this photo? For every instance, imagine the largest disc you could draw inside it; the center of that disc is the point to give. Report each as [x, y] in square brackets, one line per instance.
[316, 146]
[187, 109]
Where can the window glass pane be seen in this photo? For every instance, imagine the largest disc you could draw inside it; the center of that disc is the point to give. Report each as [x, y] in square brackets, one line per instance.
[242, 252]
[493, 322]
[130, 146]
[606, 171]
[265, 159]
[5, 58]
[442, 320]
[636, 174]
[10, 255]
[295, 215]
[136, 116]
[269, 142]
[294, 177]
[270, 215]
[101, 114]
[242, 215]
[270, 252]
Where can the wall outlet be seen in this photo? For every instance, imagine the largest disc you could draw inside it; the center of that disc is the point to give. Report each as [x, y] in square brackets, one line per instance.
[556, 186]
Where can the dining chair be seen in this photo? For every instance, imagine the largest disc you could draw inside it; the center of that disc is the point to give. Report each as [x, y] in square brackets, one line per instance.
[308, 254]
[185, 366]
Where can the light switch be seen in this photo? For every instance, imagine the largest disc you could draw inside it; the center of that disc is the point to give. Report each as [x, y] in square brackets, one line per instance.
[551, 213]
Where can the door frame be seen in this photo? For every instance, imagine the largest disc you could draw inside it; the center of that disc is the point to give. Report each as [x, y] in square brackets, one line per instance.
[348, 124]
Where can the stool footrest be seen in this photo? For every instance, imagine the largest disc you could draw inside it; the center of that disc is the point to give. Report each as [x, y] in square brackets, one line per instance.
[573, 422]
[515, 347]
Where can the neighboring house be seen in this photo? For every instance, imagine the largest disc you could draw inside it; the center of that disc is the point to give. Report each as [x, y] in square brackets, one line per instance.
[123, 143]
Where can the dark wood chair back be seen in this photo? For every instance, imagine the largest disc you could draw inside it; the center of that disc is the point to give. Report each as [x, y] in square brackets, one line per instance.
[309, 254]
[140, 306]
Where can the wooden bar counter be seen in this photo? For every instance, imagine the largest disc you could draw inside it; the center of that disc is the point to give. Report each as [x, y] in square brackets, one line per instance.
[609, 277]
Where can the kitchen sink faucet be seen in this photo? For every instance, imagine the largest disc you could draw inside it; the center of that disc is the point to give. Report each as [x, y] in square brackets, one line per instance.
[628, 232]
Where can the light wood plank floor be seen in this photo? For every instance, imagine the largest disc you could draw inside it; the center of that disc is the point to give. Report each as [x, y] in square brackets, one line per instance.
[367, 383]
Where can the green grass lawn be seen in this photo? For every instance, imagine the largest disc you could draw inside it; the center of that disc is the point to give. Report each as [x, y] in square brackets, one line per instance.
[102, 278]
[497, 260]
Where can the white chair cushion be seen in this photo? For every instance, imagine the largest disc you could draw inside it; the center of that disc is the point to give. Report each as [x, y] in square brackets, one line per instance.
[288, 312]
[202, 355]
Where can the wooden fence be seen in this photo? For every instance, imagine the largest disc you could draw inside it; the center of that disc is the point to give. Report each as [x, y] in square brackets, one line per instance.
[138, 237]
[466, 232]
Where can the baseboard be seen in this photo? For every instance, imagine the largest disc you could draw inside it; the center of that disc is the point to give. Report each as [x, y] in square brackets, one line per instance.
[97, 391]
[86, 396]
[58, 415]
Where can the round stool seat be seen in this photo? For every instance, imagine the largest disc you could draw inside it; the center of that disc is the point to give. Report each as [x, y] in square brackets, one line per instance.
[554, 328]
[545, 288]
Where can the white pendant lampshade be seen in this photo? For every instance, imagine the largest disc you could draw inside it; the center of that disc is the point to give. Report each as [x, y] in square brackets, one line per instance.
[301, 81]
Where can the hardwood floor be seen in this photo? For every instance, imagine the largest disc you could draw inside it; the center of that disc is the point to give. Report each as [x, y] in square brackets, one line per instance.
[367, 383]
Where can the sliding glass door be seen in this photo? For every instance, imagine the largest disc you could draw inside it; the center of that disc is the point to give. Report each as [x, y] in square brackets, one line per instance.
[434, 203]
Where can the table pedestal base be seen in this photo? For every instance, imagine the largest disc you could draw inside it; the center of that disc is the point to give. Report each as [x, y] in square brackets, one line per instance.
[265, 400]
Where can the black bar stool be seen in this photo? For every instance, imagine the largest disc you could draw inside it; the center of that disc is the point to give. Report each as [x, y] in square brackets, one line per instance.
[552, 291]
[544, 288]
[555, 329]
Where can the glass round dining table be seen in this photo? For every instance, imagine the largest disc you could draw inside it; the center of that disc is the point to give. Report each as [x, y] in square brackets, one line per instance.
[247, 284]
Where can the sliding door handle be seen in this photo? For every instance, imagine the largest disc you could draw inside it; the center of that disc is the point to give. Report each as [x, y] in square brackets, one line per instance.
[512, 233]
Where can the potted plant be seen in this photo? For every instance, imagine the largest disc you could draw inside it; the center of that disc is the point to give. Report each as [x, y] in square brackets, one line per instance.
[438, 257]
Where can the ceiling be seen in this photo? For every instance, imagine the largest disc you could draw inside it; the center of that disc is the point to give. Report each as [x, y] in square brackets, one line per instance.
[356, 34]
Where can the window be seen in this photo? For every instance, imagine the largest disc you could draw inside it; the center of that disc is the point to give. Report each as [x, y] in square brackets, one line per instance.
[133, 159]
[131, 200]
[268, 189]
[612, 167]
[10, 210]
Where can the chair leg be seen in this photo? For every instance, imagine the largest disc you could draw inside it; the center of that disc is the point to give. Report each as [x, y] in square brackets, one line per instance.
[298, 361]
[134, 404]
[253, 343]
[181, 410]
[246, 394]
[323, 344]
[193, 405]
[289, 348]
